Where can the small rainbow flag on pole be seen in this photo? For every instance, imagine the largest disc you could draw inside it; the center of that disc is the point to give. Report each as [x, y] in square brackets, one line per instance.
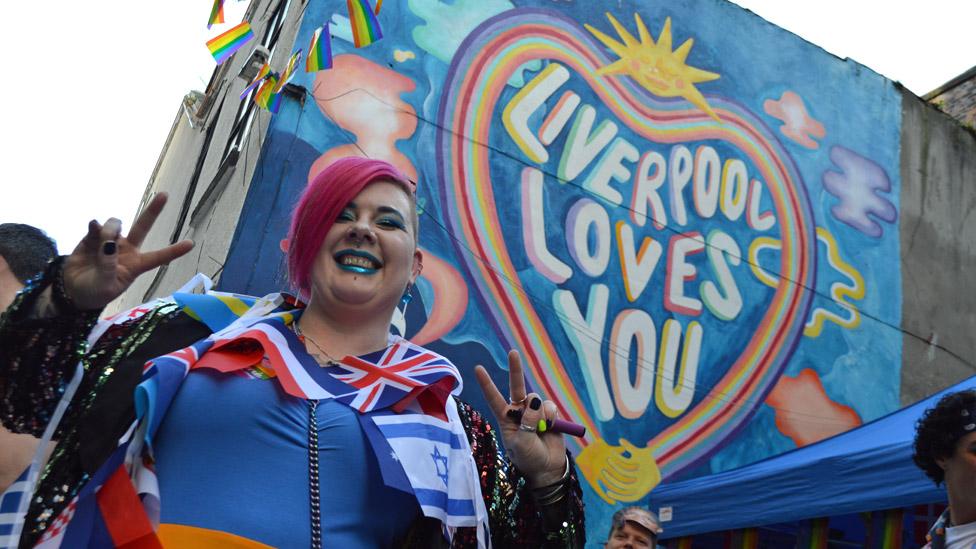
[224, 45]
[262, 74]
[264, 93]
[365, 26]
[274, 101]
[319, 50]
[216, 13]
[289, 70]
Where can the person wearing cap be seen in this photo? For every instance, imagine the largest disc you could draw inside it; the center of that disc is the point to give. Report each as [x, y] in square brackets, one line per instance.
[945, 449]
[633, 528]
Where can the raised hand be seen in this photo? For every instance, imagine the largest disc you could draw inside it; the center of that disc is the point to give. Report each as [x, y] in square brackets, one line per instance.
[105, 263]
[618, 473]
[539, 455]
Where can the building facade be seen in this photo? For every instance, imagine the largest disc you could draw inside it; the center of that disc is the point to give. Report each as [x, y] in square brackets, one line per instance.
[713, 241]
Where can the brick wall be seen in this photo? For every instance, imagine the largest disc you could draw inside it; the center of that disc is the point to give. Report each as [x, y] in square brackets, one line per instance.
[958, 100]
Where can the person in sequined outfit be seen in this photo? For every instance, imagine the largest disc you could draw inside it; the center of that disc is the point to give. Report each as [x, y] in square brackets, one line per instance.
[24, 251]
[231, 453]
[945, 449]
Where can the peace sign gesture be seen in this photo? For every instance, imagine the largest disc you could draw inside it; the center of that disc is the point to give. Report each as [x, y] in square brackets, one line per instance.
[105, 263]
[539, 455]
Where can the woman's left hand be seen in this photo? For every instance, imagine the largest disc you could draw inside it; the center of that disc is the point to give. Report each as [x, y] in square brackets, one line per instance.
[539, 455]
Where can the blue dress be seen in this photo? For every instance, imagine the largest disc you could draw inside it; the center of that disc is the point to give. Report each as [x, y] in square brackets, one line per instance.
[254, 482]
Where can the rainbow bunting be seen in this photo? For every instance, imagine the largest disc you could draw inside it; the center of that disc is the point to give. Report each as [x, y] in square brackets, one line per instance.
[263, 96]
[262, 74]
[365, 26]
[216, 14]
[319, 51]
[289, 70]
[224, 45]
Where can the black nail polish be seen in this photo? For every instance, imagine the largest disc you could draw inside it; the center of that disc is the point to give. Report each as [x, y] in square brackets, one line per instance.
[536, 402]
[108, 248]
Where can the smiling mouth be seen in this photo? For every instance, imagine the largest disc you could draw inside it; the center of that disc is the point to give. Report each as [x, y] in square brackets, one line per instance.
[357, 261]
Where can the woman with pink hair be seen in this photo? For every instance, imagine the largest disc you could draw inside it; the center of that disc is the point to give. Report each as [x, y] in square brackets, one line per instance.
[289, 425]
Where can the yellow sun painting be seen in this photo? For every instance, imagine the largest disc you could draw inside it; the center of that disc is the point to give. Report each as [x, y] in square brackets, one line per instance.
[653, 65]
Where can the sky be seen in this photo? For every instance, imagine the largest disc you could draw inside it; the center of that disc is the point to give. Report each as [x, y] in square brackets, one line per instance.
[96, 86]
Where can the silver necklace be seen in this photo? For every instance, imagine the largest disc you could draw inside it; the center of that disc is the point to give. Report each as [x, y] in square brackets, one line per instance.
[298, 331]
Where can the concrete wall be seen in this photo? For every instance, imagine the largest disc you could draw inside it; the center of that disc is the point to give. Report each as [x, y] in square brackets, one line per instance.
[938, 249]
[190, 164]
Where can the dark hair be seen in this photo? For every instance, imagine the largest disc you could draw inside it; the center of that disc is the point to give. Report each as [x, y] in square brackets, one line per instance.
[939, 430]
[26, 249]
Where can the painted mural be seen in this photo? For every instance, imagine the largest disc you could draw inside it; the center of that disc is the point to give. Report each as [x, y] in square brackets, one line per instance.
[685, 218]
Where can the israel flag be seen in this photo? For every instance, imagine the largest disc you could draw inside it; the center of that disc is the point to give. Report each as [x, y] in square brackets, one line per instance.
[436, 458]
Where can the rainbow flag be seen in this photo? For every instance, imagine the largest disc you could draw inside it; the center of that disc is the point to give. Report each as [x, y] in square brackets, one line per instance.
[819, 533]
[319, 50]
[365, 26]
[891, 535]
[289, 70]
[379, 4]
[224, 45]
[266, 89]
[216, 14]
[262, 74]
[750, 538]
[274, 101]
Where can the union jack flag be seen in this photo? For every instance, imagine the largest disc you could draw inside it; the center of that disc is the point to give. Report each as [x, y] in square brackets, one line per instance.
[384, 378]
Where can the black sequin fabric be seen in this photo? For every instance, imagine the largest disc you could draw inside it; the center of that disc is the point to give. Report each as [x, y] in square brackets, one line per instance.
[514, 518]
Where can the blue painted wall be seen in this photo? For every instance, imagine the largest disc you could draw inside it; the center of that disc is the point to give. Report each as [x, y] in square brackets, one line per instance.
[684, 216]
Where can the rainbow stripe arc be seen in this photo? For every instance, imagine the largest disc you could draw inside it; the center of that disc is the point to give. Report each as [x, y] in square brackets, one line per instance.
[476, 79]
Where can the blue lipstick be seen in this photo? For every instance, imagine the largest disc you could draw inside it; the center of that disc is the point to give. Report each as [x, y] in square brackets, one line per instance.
[357, 268]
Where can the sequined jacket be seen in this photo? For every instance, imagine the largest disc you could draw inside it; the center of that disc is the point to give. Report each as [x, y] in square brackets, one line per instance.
[38, 357]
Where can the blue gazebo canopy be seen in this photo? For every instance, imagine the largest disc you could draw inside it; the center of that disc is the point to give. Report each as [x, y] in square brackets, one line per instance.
[865, 469]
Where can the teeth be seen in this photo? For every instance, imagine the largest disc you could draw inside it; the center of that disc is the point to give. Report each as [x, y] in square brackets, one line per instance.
[357, 261]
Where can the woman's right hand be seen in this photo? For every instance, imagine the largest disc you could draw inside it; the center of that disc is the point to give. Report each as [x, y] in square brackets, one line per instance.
[105, 263]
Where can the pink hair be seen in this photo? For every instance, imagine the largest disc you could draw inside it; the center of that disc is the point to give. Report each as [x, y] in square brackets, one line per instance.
[322, 202]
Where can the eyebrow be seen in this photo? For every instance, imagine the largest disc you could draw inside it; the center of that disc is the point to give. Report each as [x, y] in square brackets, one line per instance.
[390, 210]
[381, 209]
